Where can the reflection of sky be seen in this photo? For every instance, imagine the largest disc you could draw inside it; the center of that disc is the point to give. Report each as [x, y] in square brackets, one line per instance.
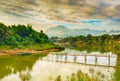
[81, 59]
[72, 51]
[102, 59]
[42, 70]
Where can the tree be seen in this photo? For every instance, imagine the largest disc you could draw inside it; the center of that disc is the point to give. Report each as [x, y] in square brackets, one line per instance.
[14, 34]
[3, 32]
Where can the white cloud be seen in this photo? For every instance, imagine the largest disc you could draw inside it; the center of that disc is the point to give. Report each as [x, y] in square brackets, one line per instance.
[66, 11]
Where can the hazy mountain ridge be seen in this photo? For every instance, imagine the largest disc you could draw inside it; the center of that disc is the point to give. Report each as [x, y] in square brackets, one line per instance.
[61, 31]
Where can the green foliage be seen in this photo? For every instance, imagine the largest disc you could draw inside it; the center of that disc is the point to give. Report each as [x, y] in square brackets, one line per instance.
[103, 43]
[89, 39]
[21, 35]
[11, 41]
[3, 32]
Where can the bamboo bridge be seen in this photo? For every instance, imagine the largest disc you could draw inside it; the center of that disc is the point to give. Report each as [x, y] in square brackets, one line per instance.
[106, 60]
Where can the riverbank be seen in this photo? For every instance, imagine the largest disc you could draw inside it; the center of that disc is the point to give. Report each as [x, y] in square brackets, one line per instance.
[30, 49]
[24, 51]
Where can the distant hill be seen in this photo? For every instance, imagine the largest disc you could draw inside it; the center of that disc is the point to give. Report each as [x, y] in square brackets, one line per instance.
[114, 32]
[61, 31]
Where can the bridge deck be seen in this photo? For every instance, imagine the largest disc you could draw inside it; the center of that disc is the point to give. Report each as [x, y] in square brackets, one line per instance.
[98, 55]
[84, 59]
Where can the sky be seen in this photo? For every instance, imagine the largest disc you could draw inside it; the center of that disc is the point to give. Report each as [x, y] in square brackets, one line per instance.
[74, 14]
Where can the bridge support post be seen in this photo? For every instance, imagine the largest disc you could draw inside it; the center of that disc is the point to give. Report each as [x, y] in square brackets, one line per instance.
[65, 58]
[57, 58]
[96, 59]
[75, 58]
[108, 60]
[85, 59]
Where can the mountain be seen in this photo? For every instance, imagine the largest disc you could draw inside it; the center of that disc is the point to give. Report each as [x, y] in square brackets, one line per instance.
[114, 32]
[61, 31]
[58, 31]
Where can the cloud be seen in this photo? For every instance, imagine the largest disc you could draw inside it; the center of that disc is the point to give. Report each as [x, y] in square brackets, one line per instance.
[67, 11]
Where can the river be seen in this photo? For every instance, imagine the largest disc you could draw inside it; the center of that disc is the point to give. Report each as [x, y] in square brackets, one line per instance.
[60, 66]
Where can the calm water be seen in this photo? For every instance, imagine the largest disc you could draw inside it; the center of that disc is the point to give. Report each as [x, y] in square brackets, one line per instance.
[59, 66]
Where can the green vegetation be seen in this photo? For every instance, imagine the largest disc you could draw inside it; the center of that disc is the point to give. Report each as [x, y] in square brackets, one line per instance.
[105, 39]
[103, 43]
[89, 43]
[21, 36]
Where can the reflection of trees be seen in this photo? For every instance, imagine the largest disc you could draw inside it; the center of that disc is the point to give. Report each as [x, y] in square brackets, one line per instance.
[73, 77]
[25, 76]
[115, 48]
[98, 75]
[117, 68]
[98, 48]
[92, 71]
[80, 76]
[58, 78]
[9, 64]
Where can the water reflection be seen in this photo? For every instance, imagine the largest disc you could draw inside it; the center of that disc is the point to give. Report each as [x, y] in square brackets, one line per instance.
[93, 58]
[58, 78]
[95, 48]
[80, 76]
[25, 76]
[117, 69]
[51, 71]
[33, 68]
[14, 64]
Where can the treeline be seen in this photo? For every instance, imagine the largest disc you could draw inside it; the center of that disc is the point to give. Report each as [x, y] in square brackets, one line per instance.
[79, 41]
[89, 39]
[102, 43]
[20, 34]
[105, 39]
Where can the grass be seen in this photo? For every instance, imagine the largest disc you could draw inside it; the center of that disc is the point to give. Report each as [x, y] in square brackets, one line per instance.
[37, 47]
